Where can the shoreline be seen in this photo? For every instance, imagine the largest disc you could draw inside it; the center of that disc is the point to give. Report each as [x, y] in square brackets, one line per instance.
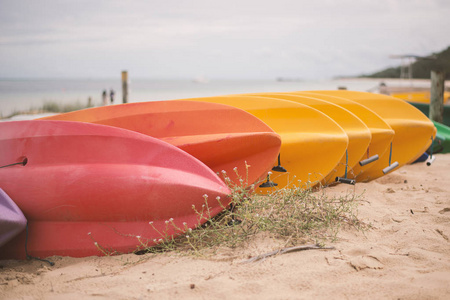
[26, 95]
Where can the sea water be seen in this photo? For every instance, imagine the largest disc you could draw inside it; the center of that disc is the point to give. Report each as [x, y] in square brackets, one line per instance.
[23, 95]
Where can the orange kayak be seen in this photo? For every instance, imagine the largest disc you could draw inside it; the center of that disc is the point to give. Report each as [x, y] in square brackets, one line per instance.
[223, 137]
[312, 143]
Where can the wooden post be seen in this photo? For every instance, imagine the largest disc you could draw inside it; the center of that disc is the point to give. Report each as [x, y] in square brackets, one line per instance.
[125, 86]
[437, 96]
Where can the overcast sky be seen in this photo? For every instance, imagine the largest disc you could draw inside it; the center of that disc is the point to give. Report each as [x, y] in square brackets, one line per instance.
[243, 39]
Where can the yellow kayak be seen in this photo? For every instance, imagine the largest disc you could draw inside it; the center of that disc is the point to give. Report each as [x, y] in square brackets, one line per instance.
[413, 130]
[358, 133]
[312, 144]
[382, 135]
[419, 96]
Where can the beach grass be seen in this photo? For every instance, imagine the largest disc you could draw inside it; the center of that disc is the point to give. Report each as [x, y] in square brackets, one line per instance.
[50, 106]
[291, 216]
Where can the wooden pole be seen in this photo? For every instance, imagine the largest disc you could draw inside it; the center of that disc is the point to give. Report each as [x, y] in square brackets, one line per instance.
[125, 86]
[437, 96]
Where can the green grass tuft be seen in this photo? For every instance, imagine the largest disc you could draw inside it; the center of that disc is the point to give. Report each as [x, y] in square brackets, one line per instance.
[50, 107]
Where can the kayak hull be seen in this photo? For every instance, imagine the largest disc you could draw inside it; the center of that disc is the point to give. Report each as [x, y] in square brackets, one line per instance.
[87, 183]
[413, 130]
[208, 131]
[307, 135]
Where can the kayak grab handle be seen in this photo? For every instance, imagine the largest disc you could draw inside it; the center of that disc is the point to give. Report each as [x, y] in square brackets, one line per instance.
[279, 168]
[268, 183]
[369, 160]
[345, 180]
[430, 160]
[391, 167]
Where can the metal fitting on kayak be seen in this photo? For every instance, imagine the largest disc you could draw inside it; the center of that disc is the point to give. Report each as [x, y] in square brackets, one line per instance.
[369, 160]
[390, 168]
[345, 180]
[279, 168]
[430, 160]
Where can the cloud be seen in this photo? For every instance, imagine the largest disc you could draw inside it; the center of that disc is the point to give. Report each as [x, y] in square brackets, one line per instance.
[244, 38]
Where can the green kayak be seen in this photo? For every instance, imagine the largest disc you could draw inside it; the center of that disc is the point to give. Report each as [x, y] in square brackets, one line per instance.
[441, 143]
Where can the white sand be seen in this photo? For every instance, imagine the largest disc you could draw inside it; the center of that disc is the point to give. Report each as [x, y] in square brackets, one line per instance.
[405, 256]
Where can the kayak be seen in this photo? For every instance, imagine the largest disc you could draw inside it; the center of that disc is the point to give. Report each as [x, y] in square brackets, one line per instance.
[425, 109]
[413, 130]
[90, 189]
[223, 137]
[12, 220]
[382, 135]
[312, 143]
[358, 133]
[441, 144]
[418, 96]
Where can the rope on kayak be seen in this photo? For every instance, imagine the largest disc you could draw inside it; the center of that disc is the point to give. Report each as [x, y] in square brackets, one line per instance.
[391, 166]
[23, 163]
[32, 257]
[390, 154]
[345, 179]
[431, 158]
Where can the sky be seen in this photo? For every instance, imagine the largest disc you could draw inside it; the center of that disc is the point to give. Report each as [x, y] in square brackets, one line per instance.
[232, 39]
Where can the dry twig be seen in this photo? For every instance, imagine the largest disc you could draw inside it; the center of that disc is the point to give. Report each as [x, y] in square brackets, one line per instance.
[287, 250]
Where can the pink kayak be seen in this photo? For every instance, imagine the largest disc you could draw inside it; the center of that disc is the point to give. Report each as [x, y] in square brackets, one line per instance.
[90, 189]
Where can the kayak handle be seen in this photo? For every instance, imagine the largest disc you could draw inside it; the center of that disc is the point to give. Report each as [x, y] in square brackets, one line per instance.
[430, 160]
[390, 168]
[345, 180]
[368, 160]
[279, 168]
[268, 183]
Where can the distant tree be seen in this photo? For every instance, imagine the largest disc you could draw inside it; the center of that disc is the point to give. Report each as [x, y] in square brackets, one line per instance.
[421, 68]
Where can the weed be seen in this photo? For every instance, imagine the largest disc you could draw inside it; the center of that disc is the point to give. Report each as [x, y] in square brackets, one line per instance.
[294, 214]
[52, 107]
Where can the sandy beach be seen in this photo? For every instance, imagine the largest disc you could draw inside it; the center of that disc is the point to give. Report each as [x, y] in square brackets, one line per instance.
[405, 255]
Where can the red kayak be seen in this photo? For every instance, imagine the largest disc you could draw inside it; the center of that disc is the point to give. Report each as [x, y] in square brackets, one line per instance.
[87, 189]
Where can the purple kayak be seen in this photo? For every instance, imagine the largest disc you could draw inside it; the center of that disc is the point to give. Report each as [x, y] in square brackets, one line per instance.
[12, 220]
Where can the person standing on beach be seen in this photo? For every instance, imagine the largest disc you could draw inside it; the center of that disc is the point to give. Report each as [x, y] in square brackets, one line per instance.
[104, 98]
[111, 96]
[383, 89]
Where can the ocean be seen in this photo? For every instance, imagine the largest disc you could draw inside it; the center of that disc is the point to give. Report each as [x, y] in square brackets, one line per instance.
[23, 95]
